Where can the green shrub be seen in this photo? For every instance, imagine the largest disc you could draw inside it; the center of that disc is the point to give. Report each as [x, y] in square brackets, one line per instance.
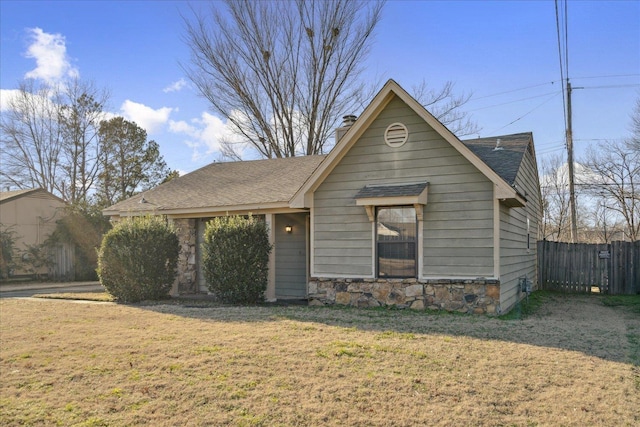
[36, 258]
[138, 259]
[7, 251]
[235, 256]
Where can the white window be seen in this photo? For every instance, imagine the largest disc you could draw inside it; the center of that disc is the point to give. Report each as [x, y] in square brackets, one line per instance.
[396, 236]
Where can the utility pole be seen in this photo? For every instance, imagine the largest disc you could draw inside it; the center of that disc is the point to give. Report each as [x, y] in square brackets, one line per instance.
[572, 189]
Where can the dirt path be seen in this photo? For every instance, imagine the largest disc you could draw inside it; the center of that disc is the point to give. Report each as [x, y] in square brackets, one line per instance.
[583, 323]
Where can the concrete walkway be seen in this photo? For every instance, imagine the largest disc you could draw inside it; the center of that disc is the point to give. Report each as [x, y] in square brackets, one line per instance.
[12, 290]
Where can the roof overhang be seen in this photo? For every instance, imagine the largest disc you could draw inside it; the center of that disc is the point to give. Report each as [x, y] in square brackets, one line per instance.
[208, 211]
[510, 197]
[17, 194]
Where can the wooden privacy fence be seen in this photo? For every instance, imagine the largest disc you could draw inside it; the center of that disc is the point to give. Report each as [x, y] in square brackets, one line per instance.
[584, 267]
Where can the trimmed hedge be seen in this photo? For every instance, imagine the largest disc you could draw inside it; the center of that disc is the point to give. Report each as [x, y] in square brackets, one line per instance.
[235, 256]
[138, 259]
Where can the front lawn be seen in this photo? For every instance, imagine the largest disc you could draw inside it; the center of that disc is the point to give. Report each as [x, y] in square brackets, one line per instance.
[572, 362]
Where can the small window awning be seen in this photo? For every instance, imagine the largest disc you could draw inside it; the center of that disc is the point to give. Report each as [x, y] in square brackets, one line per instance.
[414, 193]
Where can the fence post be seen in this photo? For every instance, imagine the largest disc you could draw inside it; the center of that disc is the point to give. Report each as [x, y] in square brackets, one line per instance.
[632, 274]
[540, 251]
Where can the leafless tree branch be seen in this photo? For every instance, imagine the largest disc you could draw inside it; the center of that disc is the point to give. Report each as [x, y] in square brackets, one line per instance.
[282, 73]
[446, 106]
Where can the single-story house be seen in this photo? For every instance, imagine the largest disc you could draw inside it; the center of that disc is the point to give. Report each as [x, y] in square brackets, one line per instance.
[31, 215]
[400, 212]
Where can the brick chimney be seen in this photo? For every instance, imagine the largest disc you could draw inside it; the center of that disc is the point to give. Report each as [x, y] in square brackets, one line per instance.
[347, 122]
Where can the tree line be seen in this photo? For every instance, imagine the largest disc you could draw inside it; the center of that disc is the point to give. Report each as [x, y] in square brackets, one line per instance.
[607, 179]
[62, 139]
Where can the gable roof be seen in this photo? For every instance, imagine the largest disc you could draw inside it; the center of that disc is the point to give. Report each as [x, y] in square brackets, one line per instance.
[6, 196]
[302, 198]
[289, 182]
[221, 187]
[503, 154]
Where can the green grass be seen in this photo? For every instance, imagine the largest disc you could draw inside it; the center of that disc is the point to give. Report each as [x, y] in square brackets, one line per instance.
[527, 306]
[631, 301]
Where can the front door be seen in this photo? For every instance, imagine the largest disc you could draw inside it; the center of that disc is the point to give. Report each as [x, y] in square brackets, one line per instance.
[291, 255]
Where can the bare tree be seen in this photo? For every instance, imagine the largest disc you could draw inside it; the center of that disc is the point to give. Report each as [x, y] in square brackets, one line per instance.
[634, 141]
[79, 119]
[445, 105]
[555, 199]
[614, 174]
[282, 72]
[31, 140]
[49, 138]
[606, 223]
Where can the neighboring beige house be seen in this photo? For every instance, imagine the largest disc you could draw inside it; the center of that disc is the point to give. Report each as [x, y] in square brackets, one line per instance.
[401, 212]
[31, 214]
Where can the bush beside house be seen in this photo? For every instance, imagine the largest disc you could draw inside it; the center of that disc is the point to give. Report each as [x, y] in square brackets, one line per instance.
[138, 259]
[236, 258]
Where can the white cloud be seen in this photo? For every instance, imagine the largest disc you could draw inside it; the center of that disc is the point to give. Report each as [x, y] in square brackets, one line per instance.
[205, 134]
[183, 127]
[175, 86]
[214, 130]
[146, 117]
[6, 95]
[39, 105]
[50, 53]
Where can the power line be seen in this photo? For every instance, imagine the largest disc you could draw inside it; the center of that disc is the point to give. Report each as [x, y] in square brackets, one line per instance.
[473, 98]
[527, 113]
[611, 86]
[549, 151]
[607, 76]
[568, 112]
[564, 101]
[553, 82]
[516, 100]
[566, 39]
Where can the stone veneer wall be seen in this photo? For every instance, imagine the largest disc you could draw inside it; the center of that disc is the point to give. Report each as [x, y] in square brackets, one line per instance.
[478, 296]
[187, 269]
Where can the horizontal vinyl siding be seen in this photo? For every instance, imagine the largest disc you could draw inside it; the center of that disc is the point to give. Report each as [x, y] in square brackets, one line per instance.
[291, 256]
[515, 261]
[458, 226]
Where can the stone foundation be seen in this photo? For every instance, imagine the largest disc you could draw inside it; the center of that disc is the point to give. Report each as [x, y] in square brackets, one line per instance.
[478, 296]
[186, 281]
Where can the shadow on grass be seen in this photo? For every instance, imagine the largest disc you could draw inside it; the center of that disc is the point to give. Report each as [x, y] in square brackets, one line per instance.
[79, 296]
[607, 327]
[589, 324]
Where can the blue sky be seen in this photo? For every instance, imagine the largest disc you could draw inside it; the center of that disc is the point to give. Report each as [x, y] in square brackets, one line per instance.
[505, 53]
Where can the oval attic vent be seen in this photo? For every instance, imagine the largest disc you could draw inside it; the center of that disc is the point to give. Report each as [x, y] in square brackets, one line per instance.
[396, 135]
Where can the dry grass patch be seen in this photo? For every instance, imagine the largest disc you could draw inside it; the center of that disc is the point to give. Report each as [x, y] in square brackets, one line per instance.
[106, 364]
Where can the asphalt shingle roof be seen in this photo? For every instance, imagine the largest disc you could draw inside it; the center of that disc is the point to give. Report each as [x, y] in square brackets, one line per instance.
[219, 185]
[391, 190]
[257, 182]
[506, 160]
